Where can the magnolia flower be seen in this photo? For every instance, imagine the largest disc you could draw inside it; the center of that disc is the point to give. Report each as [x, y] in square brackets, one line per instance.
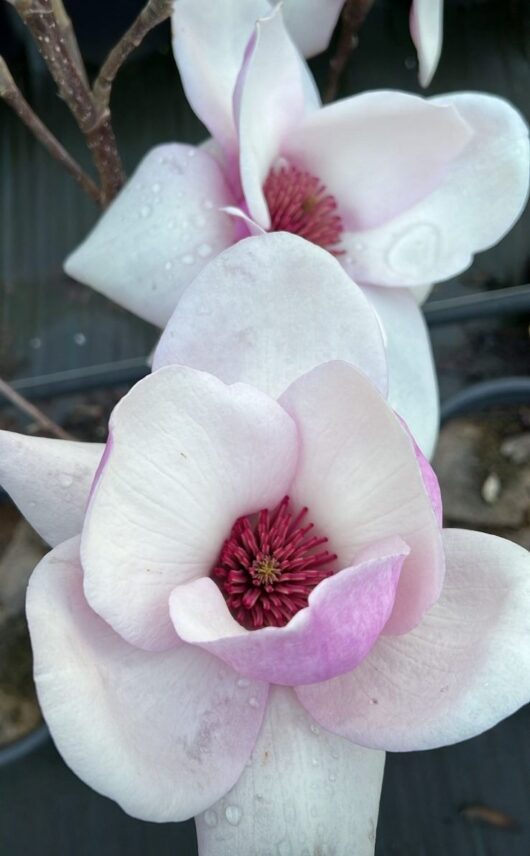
[254, 607]
[426, 29]
[402, 190]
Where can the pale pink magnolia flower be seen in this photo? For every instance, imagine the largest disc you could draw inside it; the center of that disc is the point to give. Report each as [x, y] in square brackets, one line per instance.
[201, 650]
[404, 190]
[426, 29]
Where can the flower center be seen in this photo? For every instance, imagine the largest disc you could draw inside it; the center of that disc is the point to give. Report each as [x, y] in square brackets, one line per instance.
[269, 565]
[299, 203]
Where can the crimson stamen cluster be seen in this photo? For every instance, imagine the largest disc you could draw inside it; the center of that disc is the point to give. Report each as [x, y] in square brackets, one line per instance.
[299, 203]
[269, 565]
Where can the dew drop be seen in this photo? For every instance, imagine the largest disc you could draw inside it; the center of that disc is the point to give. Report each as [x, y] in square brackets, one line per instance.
[243, 682]
[315, 730]
[210, 818]
[65, 480]
[145, 211]
[191, 153]
[332, 777]
[187, 259]
[35, 343]
[233, 814]
[204, 251]
[168, 265]
[155, 187]
[315, 762]
[80, 339]
[253, 702]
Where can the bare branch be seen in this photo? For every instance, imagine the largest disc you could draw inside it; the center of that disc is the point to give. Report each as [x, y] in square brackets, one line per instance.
[11, 94]
[33, 412]
[352, 17]
[61, 57]
[65, 25]
[153, 13]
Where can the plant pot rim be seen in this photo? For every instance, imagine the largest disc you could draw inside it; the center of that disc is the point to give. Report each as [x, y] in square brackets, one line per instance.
[24, 745]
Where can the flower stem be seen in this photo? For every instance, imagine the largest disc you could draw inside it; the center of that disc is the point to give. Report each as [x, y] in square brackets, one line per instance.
[11, 94]
[352, 17]
[51, 29]
[33, 412]
[152, 14]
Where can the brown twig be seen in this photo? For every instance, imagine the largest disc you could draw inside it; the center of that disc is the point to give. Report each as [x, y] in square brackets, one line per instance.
[352, 17]
[153, 13]
[12, 95]
[49, 25]
[33, 412]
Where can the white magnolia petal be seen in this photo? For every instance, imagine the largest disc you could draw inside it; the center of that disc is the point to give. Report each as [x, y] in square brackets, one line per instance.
[412, 383]
[304, 791]
[49, 480]
[158, 233]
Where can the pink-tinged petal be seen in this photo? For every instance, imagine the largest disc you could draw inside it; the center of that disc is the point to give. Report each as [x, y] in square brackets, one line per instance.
[269, 309]
[189, 456]
[430, 480]
[274, 93]
[358, 474]
[333, 634]
[164, 735]
[49, 480]
[209, 42]
[412, 383]
[306, 791]
[464, 668]
[426, 29]
[311, 23]
[158, 233]
[378, 153]
[474, 204]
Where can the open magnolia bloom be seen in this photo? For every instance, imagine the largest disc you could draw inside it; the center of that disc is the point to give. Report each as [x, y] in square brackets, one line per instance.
[402, 190]
[255, 607]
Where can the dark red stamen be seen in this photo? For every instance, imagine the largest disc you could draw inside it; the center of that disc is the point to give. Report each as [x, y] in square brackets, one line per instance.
[269, 565]
[299, 203]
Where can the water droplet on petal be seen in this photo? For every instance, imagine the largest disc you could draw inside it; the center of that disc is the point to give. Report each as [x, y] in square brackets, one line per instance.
[187, 259]
[315, 730]
[253, 702]
[204, 251]
[243, 682]
[233, 814]
[416, 251]
[210, 818]
[145, 211]
[65, 480]
[155, 187]
[168, 265]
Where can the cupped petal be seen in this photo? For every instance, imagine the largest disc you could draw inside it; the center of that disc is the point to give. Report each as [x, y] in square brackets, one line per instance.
[158, 233]
[378, 153]
[464, 668]
[344, 617]
[189, 456]
[164, 735]
[275, 91]
[311, 23]
[475, 202]
[357, 472]
[269, 309]
[306, 791]
[209, 42]
[49, 480]
[412, 383]
[426, 29]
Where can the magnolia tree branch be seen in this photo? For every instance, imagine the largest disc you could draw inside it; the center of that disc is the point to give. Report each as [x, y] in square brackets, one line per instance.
[51, 29]
[153, 13]
[351, 20]
[11, 94]
[33, 412]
